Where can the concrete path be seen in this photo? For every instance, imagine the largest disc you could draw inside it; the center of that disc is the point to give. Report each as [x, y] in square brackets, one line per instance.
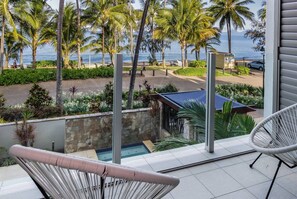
[17, 94]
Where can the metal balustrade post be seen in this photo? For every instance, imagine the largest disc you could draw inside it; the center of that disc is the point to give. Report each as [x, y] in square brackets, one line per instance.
[117, 109]
[210, 102]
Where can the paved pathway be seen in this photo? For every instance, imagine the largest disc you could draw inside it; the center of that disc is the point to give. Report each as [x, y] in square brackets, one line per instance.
[17, 94]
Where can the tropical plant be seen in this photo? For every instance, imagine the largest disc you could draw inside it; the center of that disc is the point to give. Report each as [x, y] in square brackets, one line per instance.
[25, 131]
[5, 159]
[2, 101]
[12, 46]
[70, 34]
[5, 14]
[227, 123]
[262, 11]
[258, 29]
[242, 93]
[172, 143]
[101, 14]
[19, 7]
[136, 54]
[38, 98]
[231, 12]
[38, 18]
[59, 100]
[78, 12]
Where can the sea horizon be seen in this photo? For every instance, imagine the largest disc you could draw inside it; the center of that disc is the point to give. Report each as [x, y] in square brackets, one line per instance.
[242, 48]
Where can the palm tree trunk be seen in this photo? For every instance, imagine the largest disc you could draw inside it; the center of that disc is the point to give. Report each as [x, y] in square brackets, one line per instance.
[34, 50]
[183, 53]
[131, 34]
[229, 34]
[21, 48]
[21, 57]
[163, 54]
[59, 101]
[6, 61]
[131, 43]
[79, 33]
[136, 55]
[2, 45]
[103, 47]
[186, 55]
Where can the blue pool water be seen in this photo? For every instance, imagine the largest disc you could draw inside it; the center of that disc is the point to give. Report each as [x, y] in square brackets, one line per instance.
[127, 151]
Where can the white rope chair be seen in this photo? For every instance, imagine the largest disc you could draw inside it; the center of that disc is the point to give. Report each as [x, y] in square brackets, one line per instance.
[64, 176]
[277, 136]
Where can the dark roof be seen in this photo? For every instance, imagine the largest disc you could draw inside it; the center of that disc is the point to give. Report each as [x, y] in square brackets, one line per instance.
[178, 100]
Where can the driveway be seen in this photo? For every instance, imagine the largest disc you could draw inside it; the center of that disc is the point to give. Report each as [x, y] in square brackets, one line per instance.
[17, 94]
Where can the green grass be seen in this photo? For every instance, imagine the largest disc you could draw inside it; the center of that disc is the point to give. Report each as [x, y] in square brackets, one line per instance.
[149, 68]
[198, 72]
[201, 72]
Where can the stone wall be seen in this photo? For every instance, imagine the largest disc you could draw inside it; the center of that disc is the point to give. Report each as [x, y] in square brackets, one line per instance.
[94, 131]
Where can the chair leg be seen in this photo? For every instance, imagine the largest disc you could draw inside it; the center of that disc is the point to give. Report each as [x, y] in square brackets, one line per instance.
[278, 166]
[251, 165]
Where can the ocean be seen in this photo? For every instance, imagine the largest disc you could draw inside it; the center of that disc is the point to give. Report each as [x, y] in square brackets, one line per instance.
[242, 48]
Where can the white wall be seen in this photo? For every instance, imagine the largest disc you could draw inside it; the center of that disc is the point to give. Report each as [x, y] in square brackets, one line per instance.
[271, 99]
[46, 131]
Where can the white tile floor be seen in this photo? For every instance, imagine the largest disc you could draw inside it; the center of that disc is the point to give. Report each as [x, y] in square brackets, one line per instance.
[230, 178]
[234, 179]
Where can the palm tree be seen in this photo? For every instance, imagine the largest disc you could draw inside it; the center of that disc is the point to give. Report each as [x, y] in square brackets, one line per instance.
[136, 54]
[19, 7]
[233, 12]
[79, 33]
[110, 43]
[38, 19]
[258, 29]
[12, 46]
[103, 13]
[6, 16]
[262, 11]
[182, 22]
[71, 37]
[227, 124]
[59, 100]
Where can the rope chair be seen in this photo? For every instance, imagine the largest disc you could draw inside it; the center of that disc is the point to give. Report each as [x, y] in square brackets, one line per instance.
[64, 176]
[277, 136]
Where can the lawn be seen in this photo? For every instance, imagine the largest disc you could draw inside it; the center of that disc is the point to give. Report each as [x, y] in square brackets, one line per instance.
[200, 72]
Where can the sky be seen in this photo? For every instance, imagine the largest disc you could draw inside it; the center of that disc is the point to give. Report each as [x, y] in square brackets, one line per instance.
[253, 7]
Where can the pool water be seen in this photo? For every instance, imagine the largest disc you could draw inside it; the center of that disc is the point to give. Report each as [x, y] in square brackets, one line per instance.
[127, 151]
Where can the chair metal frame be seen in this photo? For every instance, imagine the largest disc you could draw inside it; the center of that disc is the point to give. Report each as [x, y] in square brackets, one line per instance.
[64, 176]
[276, 136]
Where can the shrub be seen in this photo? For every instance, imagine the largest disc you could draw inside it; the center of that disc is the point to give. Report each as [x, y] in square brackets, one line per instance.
[199, 72]
[38, 98]
[2, 121]
[52, 63]
[11, 114]
[173, 142]
[197, 64]
[145, 95]
[24, 131]
[168, 88]
[242, 93]
[11, 77]
[46, 63]
[242, 70]
[5, 159]
[2, 101]
[108, 94]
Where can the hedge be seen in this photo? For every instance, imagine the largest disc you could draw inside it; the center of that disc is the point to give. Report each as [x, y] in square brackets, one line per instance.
[11, 77]
[52, 63]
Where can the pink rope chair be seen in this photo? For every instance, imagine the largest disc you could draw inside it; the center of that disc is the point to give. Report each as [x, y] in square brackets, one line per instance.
[64, 176]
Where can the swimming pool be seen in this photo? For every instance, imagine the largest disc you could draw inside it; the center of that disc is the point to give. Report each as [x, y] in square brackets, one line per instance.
[127, 151]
